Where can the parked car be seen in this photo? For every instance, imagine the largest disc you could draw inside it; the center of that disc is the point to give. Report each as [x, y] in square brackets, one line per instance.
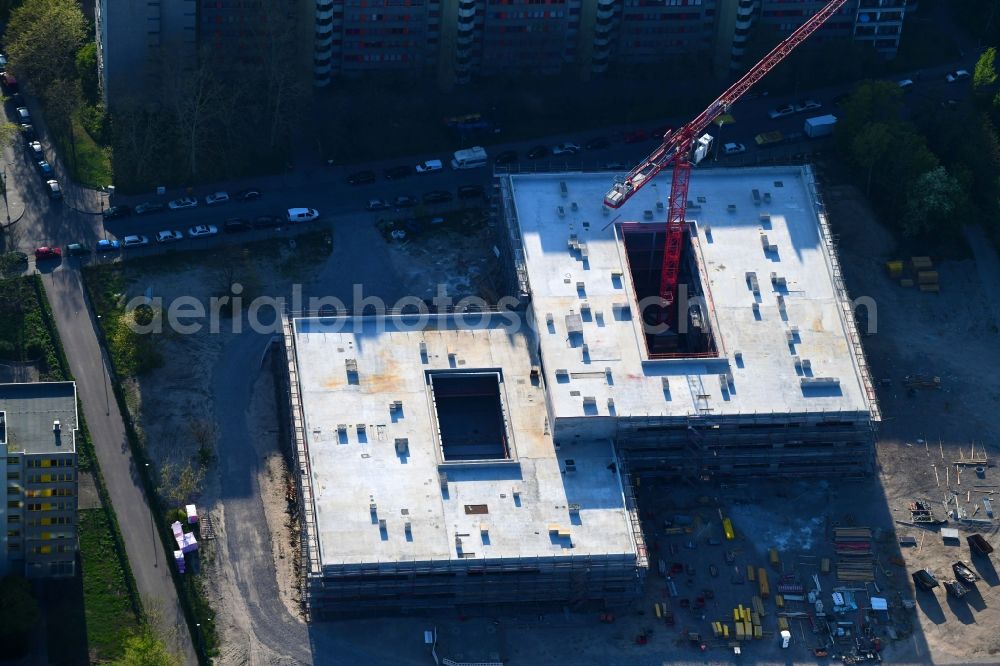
[182, 203]
[361, 178]
[267, 221]
[405, 201]
[597, 143]
[437, 196]
[35, 150]
[302, 214]
[566, 149]
[134, 240]
[217, 198]
[44, 169]
[165, 236]
[471, 192]
[203, 230]
[430, 166]
[506, 157]
[28, 132]
[538, 152]
[45, 253]
[115, 212]
[23, 115]
[77, 250]
[13, 258]
[9, 82]
[55, 192]
[249, 194]
[149, 207]
[105, 245]
[906, 85]
[635, 136]
[781, 111]
[807, 105]
[377, 204]
[956, 75]
[397, 172]
[734, 148]
[235, 225]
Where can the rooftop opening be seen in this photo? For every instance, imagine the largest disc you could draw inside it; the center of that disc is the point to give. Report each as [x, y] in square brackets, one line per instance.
[644, 245]
[470, 416]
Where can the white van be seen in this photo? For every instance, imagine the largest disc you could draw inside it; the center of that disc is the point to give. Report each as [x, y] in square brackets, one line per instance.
[302, 214]
[470, 158]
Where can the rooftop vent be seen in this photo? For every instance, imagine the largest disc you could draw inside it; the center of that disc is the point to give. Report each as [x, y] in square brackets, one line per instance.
[818, 382]
[56, 426]
[402, 445]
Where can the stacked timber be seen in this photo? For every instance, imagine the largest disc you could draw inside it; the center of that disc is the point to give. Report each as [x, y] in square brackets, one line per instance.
[855, 556]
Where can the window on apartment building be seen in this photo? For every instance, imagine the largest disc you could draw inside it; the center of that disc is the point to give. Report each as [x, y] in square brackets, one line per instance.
[13, 534]
[13, 504]
[13, 475]
[14, 518]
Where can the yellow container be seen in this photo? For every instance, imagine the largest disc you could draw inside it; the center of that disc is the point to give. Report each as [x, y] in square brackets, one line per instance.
[727, 529]
[750, 573]
[895, 268]
[765, 589]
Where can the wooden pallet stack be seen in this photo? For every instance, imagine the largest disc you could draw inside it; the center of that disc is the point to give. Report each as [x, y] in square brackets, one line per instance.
[855, 555]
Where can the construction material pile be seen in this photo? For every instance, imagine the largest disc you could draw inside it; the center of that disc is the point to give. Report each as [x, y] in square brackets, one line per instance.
[855, 556]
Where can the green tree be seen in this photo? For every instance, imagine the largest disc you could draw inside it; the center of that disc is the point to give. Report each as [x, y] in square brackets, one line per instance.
[144, 648]
[870, 147]
[86, 70]
[62, 98]
[934, 198]
[871, 101]
[43, 37]
[985, 74]
[18, 615]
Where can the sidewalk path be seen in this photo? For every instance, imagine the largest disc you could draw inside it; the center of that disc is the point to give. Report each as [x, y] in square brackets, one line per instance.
[145, 551]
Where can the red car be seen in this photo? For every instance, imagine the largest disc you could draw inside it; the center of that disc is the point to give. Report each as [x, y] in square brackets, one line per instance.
[43, 253]
[636, 136]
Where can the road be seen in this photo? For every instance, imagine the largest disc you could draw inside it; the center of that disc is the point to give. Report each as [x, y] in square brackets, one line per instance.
[87, 363]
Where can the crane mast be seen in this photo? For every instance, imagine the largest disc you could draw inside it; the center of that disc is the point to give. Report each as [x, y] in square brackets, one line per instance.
[676, 149]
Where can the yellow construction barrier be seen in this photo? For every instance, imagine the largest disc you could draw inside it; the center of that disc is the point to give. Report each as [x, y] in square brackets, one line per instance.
[727, 529]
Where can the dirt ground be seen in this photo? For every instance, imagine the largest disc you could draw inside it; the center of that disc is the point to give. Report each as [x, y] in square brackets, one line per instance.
[455, 254]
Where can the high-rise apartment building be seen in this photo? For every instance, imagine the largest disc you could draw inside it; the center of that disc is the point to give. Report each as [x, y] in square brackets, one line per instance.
[141, 41]
[38, 526]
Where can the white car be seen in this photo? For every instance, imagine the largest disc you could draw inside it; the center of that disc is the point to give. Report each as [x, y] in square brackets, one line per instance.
[134, 241]
[203, 230]
[734, 148]
[906, 84]
[216, 198]
[166, 236]
[807, 105]
[183, 202]
[781, 111]
[565, 149]
[430, 166]
[302, 214]
[956, 75]
[377, 204]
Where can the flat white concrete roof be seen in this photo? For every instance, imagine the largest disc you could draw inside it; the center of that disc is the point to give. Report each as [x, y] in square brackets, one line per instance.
[523, 497]
[765, 378]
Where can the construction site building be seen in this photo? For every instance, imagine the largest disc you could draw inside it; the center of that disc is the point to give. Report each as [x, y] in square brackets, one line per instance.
[765, 374]
[429, 478]
[469, 458]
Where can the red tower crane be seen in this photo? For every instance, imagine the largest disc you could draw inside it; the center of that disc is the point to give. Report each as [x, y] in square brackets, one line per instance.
[676, 149]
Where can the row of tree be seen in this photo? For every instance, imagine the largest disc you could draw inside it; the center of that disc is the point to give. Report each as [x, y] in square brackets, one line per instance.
[934, 169]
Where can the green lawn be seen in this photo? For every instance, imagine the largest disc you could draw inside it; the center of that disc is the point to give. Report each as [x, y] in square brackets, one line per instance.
[23, 333]
[107, 609]
[88, 162]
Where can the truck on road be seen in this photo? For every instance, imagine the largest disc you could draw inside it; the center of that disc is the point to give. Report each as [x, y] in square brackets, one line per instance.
[818, 126]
